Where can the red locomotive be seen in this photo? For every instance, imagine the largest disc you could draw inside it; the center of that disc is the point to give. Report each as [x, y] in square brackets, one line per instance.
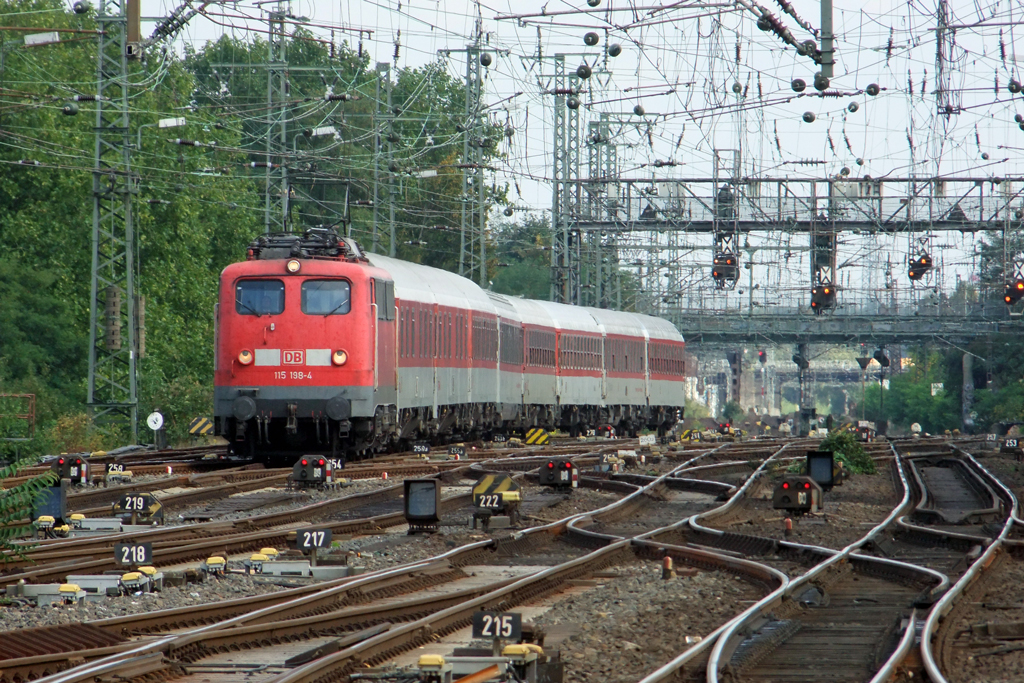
[322, 348]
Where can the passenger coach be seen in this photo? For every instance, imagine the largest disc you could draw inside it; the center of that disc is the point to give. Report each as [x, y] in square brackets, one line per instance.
[321, 347]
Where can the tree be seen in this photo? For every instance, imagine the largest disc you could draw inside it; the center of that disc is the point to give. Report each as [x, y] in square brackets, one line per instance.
[732, 412]
[522, 258]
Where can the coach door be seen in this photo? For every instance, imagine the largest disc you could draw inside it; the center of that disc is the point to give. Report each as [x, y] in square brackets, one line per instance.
[604, 367]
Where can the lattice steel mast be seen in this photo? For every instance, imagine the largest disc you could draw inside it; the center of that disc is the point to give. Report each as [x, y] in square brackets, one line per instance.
[112, 393]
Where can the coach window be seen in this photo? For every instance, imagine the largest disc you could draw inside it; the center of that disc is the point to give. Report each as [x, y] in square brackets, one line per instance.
[259, 297]
[326, 297]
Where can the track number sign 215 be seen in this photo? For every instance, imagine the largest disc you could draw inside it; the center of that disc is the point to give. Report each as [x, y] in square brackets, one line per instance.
[504, 625]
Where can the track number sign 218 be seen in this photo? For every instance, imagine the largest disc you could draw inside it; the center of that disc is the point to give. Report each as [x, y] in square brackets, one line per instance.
[133, 554]
[504, 625]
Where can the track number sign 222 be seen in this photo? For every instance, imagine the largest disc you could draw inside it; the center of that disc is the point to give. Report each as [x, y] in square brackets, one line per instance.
[504, 625]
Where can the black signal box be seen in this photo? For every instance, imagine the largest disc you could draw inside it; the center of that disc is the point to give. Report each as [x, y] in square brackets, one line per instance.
[820, 466]
[561, 474]
[422, 504]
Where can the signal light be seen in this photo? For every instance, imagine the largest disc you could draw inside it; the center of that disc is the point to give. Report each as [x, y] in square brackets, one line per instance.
[785, 484]
[1014, 292]
[762, 357]
[919, 266]
[551, 465]
[568, 465]
[807, 485]
[823, 298]
[304, 462]
[61, 461]
[725, 267]
[320, 462]
[78, 461]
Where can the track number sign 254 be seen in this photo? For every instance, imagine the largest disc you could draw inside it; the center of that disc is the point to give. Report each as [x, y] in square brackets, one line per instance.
[504, 625]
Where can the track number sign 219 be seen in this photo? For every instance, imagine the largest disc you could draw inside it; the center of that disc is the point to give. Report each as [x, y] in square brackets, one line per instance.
[504, 625]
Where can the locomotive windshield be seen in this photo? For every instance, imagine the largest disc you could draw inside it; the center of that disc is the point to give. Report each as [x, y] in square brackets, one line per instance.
[259, 297]
[326, 297]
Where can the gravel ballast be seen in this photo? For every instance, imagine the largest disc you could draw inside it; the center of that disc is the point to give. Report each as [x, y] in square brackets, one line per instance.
[976, 658]
[229, 587]
[850, 511]
[635, 622]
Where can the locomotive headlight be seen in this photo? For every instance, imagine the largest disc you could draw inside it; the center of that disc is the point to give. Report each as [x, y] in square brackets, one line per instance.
[245, 357]
[339, 357]
[293, 266]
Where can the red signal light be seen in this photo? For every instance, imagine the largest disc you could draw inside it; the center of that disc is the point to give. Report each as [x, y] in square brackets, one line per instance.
[304, 462]
[551, 465]
[807, 484]
[785, 484]
[320, 462]
[78, 461]
[1008, 299]
[568, 465]
[61, 461]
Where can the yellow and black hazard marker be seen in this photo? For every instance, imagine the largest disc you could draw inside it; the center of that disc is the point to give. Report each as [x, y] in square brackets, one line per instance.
[537, 437]
[140, 508]
[496, 491]
[201, 426]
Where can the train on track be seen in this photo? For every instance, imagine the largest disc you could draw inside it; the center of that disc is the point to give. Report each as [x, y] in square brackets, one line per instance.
[323, 348]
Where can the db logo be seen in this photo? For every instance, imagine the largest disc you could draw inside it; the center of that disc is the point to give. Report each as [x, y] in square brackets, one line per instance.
[294, 357]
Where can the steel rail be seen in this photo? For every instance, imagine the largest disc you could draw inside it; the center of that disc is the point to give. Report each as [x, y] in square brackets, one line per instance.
[84, 673]
[948, 601]
[729, 633]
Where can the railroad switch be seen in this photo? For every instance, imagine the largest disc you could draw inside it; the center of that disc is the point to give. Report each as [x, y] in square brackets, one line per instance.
[525, 659]
[214, 566]
[133, 582]
[254, 565]
[44, 526]
[70, 594]
[433, 669]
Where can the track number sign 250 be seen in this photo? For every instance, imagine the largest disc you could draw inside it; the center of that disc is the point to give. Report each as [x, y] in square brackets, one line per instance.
[504, 625]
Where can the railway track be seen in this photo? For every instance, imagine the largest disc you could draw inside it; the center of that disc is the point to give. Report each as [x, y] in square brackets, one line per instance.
[852, 613]
[526, 588]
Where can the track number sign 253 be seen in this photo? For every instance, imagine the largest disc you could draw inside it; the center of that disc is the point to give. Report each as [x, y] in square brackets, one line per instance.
[504, 625]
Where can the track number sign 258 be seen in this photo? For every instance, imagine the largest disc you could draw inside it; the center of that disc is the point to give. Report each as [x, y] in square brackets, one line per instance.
[504, 625]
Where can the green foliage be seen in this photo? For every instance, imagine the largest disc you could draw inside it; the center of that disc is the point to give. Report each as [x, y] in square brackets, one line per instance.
[909, 397]
[846, 449]
[523, 265]
[732, 412]
[16, 502]
[696, 411]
